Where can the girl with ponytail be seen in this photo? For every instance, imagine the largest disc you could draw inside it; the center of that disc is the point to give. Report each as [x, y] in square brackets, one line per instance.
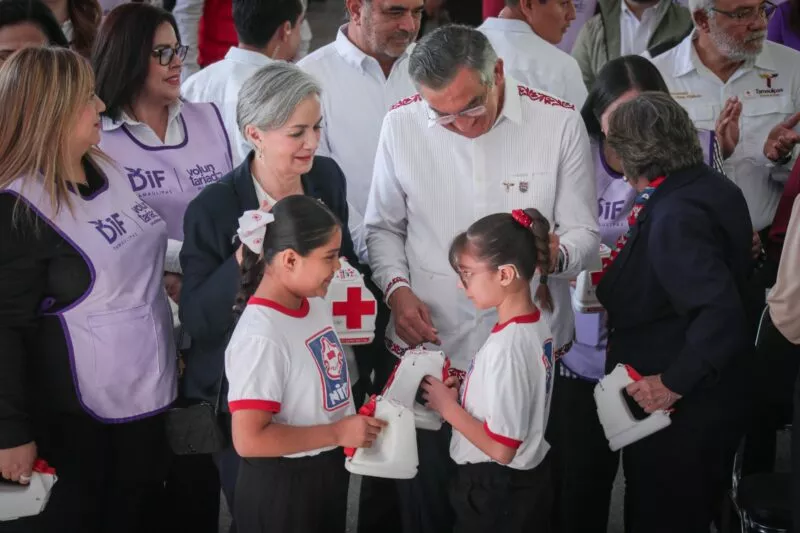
[289, 389]
[498, 439]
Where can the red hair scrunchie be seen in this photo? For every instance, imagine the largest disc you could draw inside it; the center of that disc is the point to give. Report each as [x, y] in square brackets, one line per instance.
[522, 218]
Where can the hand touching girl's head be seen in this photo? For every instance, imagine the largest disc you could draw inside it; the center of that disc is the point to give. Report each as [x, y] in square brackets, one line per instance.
[500, 254]
[296, 244]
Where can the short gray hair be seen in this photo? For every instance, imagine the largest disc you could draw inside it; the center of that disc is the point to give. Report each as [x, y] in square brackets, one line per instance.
[439, 56]
[653, 136]
[269, 97]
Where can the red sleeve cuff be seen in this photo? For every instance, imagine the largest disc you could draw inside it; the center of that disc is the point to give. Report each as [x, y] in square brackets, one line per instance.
[505, 441]
[255, 405]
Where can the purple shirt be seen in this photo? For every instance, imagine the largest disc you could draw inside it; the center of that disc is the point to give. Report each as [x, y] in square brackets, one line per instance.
[779, 30]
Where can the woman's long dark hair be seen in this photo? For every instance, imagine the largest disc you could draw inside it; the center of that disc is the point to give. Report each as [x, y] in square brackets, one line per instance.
[302, 224]
[617, 77]
[85, 16]
[122, 51]
[500, 240]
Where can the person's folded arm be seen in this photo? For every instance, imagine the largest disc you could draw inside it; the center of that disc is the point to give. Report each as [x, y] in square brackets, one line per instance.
[689, 263]
[210, 269]
[22, 283]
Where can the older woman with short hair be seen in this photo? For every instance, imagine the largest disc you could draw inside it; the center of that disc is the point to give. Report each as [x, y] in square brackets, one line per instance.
[279, 114]
[674, 295]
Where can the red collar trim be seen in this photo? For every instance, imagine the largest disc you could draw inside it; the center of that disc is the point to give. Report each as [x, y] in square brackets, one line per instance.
[521, 319]
[300, 312]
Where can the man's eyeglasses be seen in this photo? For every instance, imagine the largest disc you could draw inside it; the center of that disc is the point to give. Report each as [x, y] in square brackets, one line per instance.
[443, 120]
[166, 54]
[749, 14]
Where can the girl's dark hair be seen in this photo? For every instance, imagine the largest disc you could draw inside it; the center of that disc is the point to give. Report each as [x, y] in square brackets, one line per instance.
[617, 77]
[85, 16]
[122, 51]
[35, 12]
[302, 224]
[500, 240]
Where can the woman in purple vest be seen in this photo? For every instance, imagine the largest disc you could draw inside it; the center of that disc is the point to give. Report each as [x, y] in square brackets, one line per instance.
[279, 114]
[169, 150]
[87, 354]
[784, 26]
[584, 466]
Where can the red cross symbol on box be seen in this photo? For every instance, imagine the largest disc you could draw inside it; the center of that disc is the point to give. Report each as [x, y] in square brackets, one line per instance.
[354, 308]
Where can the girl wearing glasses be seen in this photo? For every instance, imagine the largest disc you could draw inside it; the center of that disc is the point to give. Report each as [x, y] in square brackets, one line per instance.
[168, 150]
[503, 475]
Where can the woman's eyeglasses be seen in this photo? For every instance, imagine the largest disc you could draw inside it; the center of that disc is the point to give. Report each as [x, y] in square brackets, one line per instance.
[166, 54]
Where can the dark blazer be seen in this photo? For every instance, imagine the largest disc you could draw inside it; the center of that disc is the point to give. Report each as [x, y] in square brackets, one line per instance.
[675, 295]
[210, 270]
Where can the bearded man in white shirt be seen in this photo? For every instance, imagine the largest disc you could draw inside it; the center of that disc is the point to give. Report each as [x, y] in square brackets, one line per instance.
[525, 35]
[363, 73]
[725, 68]
[471, 143]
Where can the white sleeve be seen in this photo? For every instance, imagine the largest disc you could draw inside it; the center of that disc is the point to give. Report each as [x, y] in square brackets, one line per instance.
[187, 15]
[257, 370]
[576, 200]
[510, 395]
[172, 262]
[576, 89]
[386, 219]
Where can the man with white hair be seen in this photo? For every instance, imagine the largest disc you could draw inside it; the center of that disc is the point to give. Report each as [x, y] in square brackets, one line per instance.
[473, 142]
[726, 68]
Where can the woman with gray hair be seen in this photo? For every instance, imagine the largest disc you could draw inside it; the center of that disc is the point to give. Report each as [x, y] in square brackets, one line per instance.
[674, 294]
[279, 114]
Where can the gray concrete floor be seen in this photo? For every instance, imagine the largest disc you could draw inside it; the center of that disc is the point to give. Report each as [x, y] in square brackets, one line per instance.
[325, 19]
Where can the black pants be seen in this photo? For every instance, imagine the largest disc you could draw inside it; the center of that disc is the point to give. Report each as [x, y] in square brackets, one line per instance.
[488, 497]
[583, 466]
[424, 500]
[675, 479]
[191, 496]
[228, 463]
[110, 476]
[281, 495]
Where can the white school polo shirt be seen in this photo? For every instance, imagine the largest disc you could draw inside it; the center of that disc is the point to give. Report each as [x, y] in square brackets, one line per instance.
[769, 89]
[508, 388]
[290, 363]
[533, 61]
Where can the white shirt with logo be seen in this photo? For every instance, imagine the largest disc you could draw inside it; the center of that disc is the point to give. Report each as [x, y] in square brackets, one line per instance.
[290, 363]
[508, 387]
[769, 89]
[533, 61]
[431, 183]
[356, 95]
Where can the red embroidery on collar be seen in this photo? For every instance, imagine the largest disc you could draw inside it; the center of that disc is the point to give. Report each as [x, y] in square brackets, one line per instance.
[406, 101]
[544, 98]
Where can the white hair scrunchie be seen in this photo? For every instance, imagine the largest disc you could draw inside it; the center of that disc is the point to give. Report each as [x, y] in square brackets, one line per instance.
[253, 228]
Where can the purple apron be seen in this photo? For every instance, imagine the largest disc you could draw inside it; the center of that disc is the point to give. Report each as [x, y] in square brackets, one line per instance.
[169, 177]
[587, 358]
[118, 333]
[584, 10]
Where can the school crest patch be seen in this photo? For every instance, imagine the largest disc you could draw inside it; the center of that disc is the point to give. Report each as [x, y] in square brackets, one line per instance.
[332, 365]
